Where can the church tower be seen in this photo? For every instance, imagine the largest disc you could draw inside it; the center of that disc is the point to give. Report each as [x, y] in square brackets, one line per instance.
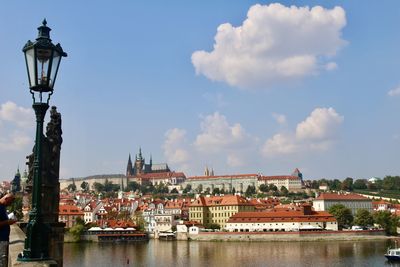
[139, 163]
[16, 182]
[129, 167]
[206, 172]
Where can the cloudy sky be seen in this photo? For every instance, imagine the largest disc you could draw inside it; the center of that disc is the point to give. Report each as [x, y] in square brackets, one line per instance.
[238, 86]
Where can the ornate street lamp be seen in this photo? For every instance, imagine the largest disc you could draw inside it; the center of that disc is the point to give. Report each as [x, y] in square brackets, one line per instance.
[42, 59]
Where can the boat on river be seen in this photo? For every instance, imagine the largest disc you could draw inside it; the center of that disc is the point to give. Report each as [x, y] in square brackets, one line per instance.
[118, 234]
[393, 254]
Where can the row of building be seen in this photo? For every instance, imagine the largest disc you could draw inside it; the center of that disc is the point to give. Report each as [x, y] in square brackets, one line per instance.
[139, 171]
[231, 212]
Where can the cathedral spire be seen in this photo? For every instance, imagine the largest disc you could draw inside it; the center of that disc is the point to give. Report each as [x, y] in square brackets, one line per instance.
[206, 171]
[140, 153]
[129, 166]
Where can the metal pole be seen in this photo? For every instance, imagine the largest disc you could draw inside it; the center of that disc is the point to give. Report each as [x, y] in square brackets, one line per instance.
[36, 242]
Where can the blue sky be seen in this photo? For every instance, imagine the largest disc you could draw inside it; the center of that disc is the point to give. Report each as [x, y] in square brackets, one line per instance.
[238, 86]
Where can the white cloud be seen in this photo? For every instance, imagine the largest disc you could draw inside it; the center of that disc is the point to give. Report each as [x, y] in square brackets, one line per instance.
[321, 124]
[280, 118]
[17, 124]
[15, 141]
[317, 132]
[234, 160]
[275, 43]
[219, 143]
[22, 117]
[331, 66]
[217, 134]
[173, 146]
[280, 144]
[394, 92]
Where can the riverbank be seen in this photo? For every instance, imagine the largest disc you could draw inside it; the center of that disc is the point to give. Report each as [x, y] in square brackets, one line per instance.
[290, 236]
[263, 236]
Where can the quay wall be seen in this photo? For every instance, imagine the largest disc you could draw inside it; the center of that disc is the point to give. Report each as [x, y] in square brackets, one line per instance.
[16, 246]
[289, 236]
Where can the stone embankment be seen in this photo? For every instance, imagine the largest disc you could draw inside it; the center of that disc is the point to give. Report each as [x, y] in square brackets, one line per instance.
[17, 239]
[289, 236]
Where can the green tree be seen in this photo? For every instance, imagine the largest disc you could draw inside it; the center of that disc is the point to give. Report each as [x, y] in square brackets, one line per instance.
[372, 186]
[174, 191]
[391, 183]
[98, 187]
[284, 191]
[132, 186]
[264, 188]
[71, 187]
[335, 184]
[160, 188]
[360, 184]
[342, 214]
[273, 187]
[213, 226]
[387, 221]
[199, 189]
[139, 221]
[147, 188]
[251, 190]
[85, 186]
[347, 184]
[77, 230]
[110, 187]
[16, 207]
[233, 191]
[187, 189]
[216, 191]
[363, 218]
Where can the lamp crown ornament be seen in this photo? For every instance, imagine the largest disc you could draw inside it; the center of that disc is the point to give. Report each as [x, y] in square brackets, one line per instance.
[44, 31]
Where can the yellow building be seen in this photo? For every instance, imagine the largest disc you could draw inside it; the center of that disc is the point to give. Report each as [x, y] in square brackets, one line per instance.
[217, 209]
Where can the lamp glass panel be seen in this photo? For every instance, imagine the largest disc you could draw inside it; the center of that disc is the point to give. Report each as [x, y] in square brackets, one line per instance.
[54, 68]
[30, 62]
[43, 59]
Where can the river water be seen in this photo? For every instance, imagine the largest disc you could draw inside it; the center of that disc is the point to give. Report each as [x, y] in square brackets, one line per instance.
[226, 254]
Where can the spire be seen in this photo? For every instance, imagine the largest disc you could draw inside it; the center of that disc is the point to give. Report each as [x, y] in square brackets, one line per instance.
[151, 160]
[140, 153]
[206, 171]
[129, 166]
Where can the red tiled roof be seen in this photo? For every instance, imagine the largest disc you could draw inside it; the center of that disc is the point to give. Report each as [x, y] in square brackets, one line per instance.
[333, 196]
[119, 223]
[69, 210]
[279, 177]
[281, 216]
[380, 202]
[220, 201]
[233, 176]
[161, 175]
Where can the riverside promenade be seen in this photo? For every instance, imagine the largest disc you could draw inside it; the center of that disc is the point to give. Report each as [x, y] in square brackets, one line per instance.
[290, 236]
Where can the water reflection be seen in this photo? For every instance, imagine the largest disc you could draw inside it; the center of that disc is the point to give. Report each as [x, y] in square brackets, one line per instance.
[182, 253]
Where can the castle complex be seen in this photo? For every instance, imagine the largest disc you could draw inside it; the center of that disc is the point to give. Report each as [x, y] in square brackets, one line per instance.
[149, 173]
[141, 172]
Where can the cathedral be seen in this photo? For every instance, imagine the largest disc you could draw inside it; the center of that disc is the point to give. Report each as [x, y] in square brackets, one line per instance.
[140, 167]
[142, 172]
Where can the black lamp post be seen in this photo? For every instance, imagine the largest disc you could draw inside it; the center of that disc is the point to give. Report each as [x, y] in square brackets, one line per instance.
[42, 59]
